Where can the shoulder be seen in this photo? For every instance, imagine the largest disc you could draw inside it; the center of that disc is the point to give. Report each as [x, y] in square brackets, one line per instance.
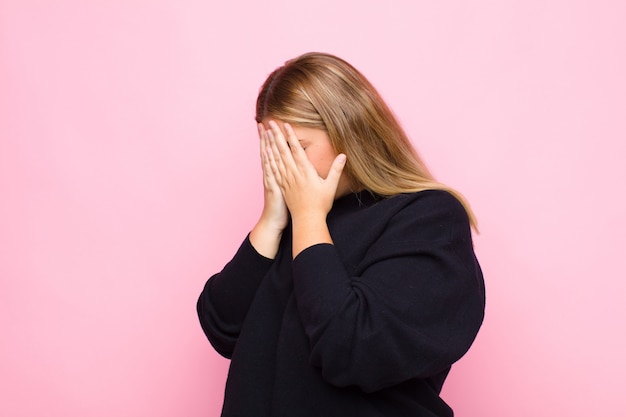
[428, 202]
[436, 214]
[433, 197]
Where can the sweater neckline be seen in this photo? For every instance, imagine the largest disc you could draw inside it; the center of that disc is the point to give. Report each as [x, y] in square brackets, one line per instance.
[362, 198]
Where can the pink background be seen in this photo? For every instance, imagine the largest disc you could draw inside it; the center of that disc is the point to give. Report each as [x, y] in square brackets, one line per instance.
[129, 173]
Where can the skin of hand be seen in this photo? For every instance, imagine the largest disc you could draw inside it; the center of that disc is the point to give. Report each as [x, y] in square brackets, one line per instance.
[266, 234]
[308, 196]
[274, 208]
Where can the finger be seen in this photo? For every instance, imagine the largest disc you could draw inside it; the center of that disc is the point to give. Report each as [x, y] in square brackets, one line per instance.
[294, 143]
[264, 146]
[277, 168]
[268, 176]
[265, 166]
[297, 151]
[281, 144]
[334, 174]
[269, 179]
[276, 156]
[261, 130]
[262, 142]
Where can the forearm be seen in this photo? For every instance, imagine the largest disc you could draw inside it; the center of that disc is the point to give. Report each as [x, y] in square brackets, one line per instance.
[230, 292]
[388, 317]
[265, 238]
[309, 229]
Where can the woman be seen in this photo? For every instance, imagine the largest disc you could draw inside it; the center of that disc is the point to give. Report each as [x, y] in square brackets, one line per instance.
[358, 287]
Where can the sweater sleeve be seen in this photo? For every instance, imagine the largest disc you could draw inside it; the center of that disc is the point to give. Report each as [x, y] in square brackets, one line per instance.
[413, 307]
[227, 295]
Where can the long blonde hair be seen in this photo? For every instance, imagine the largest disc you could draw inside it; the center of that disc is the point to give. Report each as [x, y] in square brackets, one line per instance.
[323, 91]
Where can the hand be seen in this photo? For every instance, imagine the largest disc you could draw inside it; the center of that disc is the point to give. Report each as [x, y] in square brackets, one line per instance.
[275, 211]
[308, 196]
[266, 234]
[306, 193]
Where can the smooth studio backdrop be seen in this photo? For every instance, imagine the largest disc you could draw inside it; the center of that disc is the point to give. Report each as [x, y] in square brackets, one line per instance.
[129, 174]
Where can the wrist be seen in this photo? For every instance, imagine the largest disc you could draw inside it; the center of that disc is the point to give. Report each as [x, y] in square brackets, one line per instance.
[265, 238]
[309, 216]
[272, 221]
[308, 230]
[270, 226]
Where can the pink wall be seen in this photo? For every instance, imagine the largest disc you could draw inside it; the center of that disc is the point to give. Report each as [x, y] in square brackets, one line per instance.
[129, 173]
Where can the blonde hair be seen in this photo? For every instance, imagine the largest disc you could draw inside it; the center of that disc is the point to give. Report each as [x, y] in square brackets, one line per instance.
[323, 91]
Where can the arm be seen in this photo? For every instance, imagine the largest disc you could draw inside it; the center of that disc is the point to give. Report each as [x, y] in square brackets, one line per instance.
[226, 298]
[411, 309]
[266, 234]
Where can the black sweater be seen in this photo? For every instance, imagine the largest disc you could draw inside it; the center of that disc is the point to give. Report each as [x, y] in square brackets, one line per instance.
[368, 326]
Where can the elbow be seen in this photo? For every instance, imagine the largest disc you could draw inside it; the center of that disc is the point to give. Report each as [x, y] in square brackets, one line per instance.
[221, 338]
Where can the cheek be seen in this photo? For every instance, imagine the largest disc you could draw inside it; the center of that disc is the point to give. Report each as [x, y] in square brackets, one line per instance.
[322, 161]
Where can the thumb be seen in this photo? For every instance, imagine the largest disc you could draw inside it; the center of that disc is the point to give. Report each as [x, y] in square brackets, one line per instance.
[336, 169]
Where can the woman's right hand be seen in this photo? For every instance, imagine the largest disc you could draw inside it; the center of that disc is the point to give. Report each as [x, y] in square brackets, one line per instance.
[266, 234]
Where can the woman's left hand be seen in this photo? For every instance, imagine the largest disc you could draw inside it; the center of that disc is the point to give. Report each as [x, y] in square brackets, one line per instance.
[306, 193]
